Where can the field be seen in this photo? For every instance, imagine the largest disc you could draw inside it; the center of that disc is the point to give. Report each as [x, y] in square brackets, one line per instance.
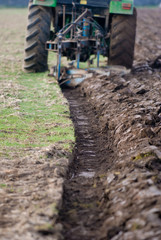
[34, 126]
[112, 188]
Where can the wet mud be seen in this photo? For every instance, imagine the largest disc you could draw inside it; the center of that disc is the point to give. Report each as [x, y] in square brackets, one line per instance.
[83, 190]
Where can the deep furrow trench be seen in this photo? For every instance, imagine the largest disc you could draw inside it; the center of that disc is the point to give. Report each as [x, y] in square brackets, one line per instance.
[81, 215]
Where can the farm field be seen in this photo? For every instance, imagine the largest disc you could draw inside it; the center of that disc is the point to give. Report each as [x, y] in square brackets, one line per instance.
[112, 187]
[34, 128]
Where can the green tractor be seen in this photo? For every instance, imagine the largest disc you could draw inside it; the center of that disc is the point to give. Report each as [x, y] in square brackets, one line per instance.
[81, 28]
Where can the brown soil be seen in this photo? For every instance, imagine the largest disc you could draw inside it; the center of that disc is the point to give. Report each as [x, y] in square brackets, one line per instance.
[113, 188]
[84, 190]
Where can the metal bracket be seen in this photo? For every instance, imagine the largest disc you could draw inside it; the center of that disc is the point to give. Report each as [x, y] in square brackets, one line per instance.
[59, 56]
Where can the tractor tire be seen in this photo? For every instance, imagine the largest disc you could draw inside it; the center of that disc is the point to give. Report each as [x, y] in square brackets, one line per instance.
[38, 32]
[122, 40]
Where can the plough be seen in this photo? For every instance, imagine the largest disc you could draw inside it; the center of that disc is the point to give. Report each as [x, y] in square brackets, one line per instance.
[83, 30]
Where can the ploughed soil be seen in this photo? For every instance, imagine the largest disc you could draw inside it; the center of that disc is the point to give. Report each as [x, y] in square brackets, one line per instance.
[113, 189]
[81, 214]
[113, 186]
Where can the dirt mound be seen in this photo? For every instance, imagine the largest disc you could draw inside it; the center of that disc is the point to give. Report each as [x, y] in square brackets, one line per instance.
[129, 108]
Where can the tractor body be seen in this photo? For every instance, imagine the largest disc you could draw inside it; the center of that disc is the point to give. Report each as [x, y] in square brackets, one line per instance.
[81, 28]
[115, 6]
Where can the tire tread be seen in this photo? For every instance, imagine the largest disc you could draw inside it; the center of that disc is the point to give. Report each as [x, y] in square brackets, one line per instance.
[122, 40]
[38, 32]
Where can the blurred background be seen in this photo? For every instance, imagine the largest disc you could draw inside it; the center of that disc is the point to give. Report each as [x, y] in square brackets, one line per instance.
[24, 3]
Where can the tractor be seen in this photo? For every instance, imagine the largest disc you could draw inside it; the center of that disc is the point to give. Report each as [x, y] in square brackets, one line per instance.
[79, 29]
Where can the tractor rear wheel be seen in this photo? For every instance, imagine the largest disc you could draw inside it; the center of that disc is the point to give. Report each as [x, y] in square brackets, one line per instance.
[122, 40]
[38, 32]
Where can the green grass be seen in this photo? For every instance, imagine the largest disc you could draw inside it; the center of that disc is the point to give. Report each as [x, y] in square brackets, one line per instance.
[37, 117]
[2, 185]
[33, 112]
[102, 63]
